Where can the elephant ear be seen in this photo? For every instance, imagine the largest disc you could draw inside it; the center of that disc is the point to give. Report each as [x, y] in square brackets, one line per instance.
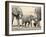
[16, 10]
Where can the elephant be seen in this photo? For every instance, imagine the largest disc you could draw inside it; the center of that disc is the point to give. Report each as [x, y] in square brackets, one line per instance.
[26, 19]
[37, 21]
[16, 11]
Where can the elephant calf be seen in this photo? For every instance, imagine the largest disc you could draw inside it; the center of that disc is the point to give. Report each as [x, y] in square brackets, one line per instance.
[26, 19]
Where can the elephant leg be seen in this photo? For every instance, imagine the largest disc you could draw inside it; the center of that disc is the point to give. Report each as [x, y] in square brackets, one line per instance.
[25, 24]
[28, 23]
[38, 24]
[12, 19]
[22, 22]
[35, 24]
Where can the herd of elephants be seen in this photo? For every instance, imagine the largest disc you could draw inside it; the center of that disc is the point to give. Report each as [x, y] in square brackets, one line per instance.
[17, 12]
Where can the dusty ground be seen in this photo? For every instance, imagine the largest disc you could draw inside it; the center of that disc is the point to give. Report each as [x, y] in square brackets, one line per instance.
[22, 28]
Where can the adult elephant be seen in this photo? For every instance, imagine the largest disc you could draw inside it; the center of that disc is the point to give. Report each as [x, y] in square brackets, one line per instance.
[16, 12]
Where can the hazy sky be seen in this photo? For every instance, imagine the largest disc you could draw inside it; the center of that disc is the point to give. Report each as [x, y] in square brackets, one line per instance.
[28, 10]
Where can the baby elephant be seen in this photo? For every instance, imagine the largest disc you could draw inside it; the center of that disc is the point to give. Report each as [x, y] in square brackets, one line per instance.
[26, 20]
